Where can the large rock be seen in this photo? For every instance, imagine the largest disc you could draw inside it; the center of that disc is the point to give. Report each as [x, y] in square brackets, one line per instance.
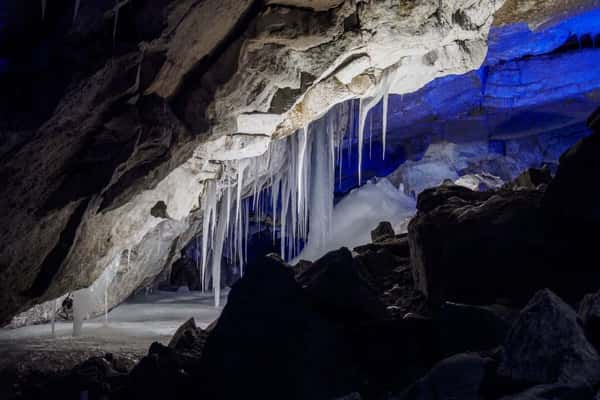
[394, 353]
[547, 344]
[337, 287]
[557, 391]
[398, 246]
[383, 230]
[572, 195]
[532, 178]
[589, 311]
[466, 328]
[269, 343]
[469, 246]
[457, 377]
[487, 247]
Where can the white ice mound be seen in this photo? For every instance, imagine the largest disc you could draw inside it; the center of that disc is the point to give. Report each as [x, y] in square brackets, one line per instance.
[357, 214]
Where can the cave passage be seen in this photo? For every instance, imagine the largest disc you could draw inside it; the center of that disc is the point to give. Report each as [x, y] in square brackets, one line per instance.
[449, 155]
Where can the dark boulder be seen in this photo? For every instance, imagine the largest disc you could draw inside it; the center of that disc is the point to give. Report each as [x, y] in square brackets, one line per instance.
[502, 246]
[547, 344]
[468, 247]
[532, 178]
[574, 194]
[457, 377]
[382, 231]
[270, 343]
[159, 375]
[188, 337]
[589, 311]
[557, 391]
[378, 264]
[397, 245]
[394, 353]
[338, 287]
[465, 328]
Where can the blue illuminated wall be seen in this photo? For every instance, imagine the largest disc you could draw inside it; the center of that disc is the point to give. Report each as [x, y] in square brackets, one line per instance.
[533, 86]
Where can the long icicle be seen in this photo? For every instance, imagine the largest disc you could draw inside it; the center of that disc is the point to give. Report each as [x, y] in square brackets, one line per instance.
[246, 233]
[384, 120]
[208, 215]
[43, 9]
[54, 311]
[218, 252]
[361, 133]
[76, 10]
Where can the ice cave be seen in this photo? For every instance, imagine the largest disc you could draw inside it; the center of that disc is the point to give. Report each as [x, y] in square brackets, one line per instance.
[300, 199]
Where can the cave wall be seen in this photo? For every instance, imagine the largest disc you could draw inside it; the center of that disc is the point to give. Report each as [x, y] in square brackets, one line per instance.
[480, 129]
[152, 93]
[147, 100]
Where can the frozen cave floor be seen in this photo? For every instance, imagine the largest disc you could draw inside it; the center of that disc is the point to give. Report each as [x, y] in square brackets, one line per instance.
[132, 328]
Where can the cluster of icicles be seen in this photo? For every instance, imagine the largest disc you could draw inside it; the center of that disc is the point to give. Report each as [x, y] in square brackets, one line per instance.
[294, 179]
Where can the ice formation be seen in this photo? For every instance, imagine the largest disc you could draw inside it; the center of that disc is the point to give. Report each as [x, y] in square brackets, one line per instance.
[82, 304]
[76, 10]
[300, 190]
[116, 11]
[358, 213]
[379, 93]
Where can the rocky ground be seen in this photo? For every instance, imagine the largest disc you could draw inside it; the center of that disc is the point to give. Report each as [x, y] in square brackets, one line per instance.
[491, 295]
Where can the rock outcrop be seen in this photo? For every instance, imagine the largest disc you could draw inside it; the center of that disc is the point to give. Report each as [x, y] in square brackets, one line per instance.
[470, 246]
[589, 312]
[547, 344]
[274, 343]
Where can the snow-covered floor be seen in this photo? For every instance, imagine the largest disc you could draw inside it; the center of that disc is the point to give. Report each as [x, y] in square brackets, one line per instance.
[131, 328]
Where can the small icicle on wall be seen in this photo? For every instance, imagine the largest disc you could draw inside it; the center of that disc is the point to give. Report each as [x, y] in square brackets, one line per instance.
[294, 179]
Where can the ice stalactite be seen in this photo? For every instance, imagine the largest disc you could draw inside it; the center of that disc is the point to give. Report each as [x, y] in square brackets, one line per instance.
[384, 121]
[116, 12]
[381, 92]
[322, 180]
[82, 303]
[107, 279]
[54, 311]
[43, 4]
[115, 24]
[209, 205]
[218, 252]
[106, 305]
[370, 136]
[76, 10]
